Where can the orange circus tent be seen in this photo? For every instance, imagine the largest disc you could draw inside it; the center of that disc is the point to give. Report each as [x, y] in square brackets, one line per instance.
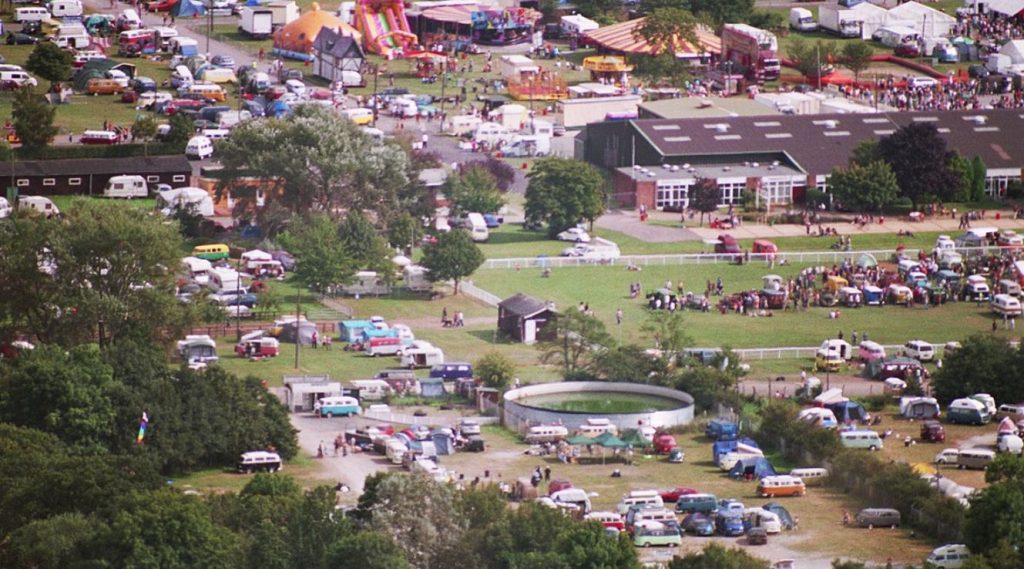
[298, 36]
[623, 38]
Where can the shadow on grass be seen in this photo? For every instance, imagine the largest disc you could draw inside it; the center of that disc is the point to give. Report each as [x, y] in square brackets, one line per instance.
[491, 337]
[518, 235]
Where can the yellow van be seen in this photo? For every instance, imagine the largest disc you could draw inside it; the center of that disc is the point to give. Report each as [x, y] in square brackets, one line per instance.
[214, 252]
[209, 91]
[97, 86]
[361, 117]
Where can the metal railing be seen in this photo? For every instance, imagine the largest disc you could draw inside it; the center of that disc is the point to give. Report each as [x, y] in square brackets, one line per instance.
[751, 354]
[473, 291]
[831, 256]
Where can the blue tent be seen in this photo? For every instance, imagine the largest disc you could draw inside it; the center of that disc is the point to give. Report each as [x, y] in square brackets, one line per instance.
[188, 9]
[719, 448]
[352, 330]
[752, 467]
[443, 442]
[432, 387]
[849, 412]
[278, 109]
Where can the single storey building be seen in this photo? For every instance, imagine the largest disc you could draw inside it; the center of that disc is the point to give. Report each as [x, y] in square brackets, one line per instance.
[88, 176]
[655, 162]
[525, 318]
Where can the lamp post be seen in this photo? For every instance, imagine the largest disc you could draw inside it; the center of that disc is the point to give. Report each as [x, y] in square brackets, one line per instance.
[376, 74]
[238, 303]
[298, 328]
[828, 371]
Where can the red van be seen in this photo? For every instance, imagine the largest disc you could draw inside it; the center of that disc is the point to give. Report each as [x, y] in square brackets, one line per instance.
[766, 248]
[383, 346]
[727, 244]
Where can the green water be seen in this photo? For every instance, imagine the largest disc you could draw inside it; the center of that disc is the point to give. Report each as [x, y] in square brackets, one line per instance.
[598, 402]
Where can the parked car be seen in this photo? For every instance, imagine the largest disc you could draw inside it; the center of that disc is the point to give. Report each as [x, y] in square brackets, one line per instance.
[757, 536]
[919, 350]
[20, 39]
[908, 50]
[699, 524]
[223, 61]
[577, 234]
[978, 71]
[674, 494]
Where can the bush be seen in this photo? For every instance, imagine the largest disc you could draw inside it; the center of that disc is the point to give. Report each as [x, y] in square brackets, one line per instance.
[875, 403]
[91, 151]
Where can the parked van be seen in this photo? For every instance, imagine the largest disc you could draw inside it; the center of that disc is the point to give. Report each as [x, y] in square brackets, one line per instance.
[546, 434]
[126, 187]
[783, 485]
[340, 405]
[404, 108]
[878, 517]
[861, 439]
[985, 398]
[218, 75]
[693, 503]
[643, 500]
[259, 461]
[637, 515]
[575, 497]
[209, 91]
[98, 137]
[868, 351]
[389, 346]
[213, 252]
[199, 148]
[65, 8]
[919, 350]
[197, 270]
[31, 14]
[395, 451]
[477, 227]
[949, 556]
[422, 354]
[360, 116]
[607, 519]
[1006, 305]
[967, 412]
[1010, 287]
[648, 536]
[975, 458]
[372, 389]
[452, 370]
[1015, 411]
[810, 476]
[97, 86]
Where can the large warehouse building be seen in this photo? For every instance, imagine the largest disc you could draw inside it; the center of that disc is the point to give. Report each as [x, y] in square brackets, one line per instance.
[656, 161]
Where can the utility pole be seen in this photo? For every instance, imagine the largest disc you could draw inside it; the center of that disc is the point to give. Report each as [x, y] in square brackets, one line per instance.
[376, 73]
[298, 328]
[817, 51]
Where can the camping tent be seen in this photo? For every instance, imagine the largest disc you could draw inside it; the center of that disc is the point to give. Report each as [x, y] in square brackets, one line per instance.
[97, 68]
[929, 21]
[443, 442]
[752, 468]
[608, 440]
[719, 448]
[1006, 427]
[1015, 50]
[301, 331]
[188, 9]
[635, 438]
[866, 261]
[779, 510]
[849, 412]
[580, 440]
[919, 407]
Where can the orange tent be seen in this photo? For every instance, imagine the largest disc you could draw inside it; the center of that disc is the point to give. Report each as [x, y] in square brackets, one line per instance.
[298, 36]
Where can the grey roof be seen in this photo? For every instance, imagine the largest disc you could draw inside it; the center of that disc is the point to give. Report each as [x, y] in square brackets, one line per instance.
[97, 166]
[337, 45]
[523, 305]
[817, 143]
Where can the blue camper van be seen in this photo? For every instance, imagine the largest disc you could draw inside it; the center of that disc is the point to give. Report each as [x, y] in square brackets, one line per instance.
[338, 405]
[452, 371]
[352, 330]
[722, 430]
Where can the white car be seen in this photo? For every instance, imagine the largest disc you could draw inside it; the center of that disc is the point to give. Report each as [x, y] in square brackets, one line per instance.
[577, 234]
[237, 311]
[919, 350]
[948, 456]
[921, 83]
[297, 87]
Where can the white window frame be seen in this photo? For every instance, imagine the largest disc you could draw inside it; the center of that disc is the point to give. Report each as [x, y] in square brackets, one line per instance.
[74, 181]
[49, 181]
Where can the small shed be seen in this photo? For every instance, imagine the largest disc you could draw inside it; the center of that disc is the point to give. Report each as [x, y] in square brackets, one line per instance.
[336, 53]
[525, 318]
[302, 391]
[432, 387]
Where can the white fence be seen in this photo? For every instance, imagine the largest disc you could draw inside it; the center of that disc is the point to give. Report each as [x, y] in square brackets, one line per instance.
[471, 290]
[407, 419]
[829, 257]
[751, 354]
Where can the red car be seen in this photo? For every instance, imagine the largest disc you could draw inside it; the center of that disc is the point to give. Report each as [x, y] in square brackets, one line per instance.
[171, 108]
[908, 50]
[162, 5]
[674, 494]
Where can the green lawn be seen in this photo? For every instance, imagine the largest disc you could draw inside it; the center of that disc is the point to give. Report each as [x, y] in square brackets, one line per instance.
[606, 289]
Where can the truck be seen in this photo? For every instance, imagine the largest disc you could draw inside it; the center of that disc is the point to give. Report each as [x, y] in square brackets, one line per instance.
[753, 49]
[840, 20]
[801, 20]
[256, 22]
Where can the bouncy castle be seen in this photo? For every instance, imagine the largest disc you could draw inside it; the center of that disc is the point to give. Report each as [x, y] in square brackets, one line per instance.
[384, 27]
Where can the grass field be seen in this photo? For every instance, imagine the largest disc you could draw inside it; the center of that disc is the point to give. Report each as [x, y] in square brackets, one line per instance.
[606, 289]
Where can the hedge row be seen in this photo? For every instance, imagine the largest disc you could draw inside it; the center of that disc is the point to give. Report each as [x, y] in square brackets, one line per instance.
[92, 151]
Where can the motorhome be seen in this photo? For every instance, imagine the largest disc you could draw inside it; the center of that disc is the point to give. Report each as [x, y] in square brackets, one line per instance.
[224, 279]
[950, 556]
[546, 434]
[126, 187]
[372, 389]
[366, 283]
[197, 270]
[861, 439]
[594, 427]
[198, 348]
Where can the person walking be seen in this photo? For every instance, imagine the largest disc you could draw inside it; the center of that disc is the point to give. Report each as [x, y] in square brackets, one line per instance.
[618, 316]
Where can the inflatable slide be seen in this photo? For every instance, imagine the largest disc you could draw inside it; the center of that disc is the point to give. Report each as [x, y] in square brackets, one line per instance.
[384, 27]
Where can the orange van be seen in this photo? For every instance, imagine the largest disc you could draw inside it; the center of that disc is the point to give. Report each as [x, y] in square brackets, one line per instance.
[99, 86]
[772, 486]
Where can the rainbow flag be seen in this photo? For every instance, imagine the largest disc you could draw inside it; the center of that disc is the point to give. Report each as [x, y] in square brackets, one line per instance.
[142, 428]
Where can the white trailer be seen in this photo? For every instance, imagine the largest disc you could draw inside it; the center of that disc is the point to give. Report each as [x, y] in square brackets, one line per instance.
[255, 22]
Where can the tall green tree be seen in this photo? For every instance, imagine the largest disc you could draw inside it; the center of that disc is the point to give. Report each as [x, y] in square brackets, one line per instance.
[578, 340]
[62, 541]
[404, 232]
[983, 365]
[865, 153]
[811, 59]
[366, 550]
[316, 160]
[856, 56]
[367, 248]
[563, 192]
[473, 189]
[704, 197]
[144, 130]
[715, 556]
[454, 257]
[182, 130]
[666, 29]
[865, 188]
[322, 261]
[919, 157]
[33, 119]
[662, 69]
[50, 62]
[495, 370]
[428, 534]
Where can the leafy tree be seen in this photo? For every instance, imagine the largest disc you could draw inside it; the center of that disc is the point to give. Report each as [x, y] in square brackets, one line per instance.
[50, 62]
[144, 130]
[721, 11]
[316, 160]
[629, 363]
[322, 261]
[865, 153]
[996, 514]
[856, 56]
[474, 189]
[919, 158]
[704, 197]
[599, 8]
[707, 385]
[404, 231]
[495, 370]
[69, 394]
[1006, 467]
[57, 542]
[774, 22]
[578, 340]
[366, 246]
[562, 192]
[715, 556]
[976, 181]
[503, 172]
[33, 119]
[366, 550]
[811, 59]
[666, 30]
[426, 534]
[103, 271]
[984, 365]
[865, 188]
[182, 130]
[661, 69]
[169, 530]
[454, 257]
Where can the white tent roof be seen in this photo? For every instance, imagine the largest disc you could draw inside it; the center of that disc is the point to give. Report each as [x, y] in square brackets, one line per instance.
[1014, 49]
[916, 12]
[868, 12]
[582, 23]
[1006, 7]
